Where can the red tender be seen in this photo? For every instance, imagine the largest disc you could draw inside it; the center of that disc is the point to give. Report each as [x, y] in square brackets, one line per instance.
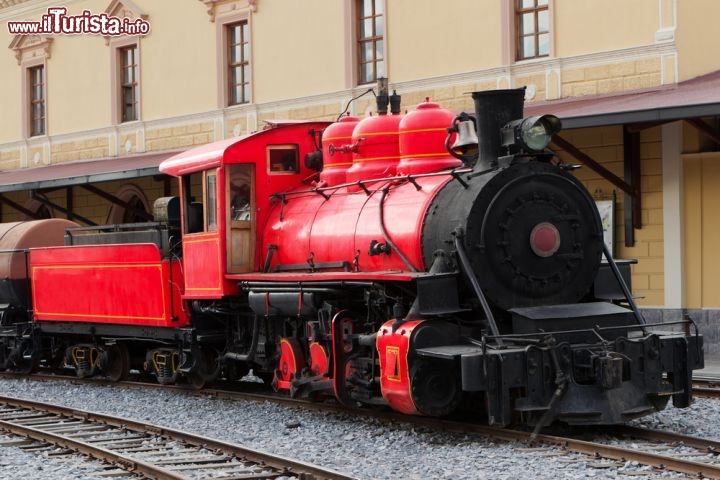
[118, 284]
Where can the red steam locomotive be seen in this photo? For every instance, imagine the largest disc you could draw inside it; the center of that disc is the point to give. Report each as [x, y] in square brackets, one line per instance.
[427, 262]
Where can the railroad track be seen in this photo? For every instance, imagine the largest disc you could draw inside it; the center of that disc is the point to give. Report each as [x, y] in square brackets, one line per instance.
[706, 387]
[151, 451]
[662, 450]
[694, 456]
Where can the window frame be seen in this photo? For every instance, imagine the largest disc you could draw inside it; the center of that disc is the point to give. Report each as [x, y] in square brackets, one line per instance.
[205, 184]
[32, 51]
[210, 200]
[33, 101]
[222, 26]
[360, 41]
[117, 45]
[243, 63]
[272, 161]
[132, 86]
[519, 35]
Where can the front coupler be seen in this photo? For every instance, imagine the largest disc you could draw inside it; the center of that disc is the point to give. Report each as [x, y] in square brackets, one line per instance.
[601, 383]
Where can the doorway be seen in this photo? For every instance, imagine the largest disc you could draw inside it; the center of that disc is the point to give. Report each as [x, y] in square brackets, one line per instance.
[240, 195]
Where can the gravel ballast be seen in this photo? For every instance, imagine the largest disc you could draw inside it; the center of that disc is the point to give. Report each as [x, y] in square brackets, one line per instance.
[351, 444]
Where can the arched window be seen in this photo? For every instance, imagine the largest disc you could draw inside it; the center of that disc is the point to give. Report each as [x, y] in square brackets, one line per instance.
[41, 210]
[136, 199]
[131, 215]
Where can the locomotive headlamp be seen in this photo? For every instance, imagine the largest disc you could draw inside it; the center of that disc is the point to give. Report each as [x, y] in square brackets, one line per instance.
[531, 134]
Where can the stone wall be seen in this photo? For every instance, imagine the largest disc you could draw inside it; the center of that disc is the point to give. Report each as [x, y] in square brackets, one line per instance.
[707, 321]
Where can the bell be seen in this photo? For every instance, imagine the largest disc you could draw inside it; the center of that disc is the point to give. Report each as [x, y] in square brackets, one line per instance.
[466, 136]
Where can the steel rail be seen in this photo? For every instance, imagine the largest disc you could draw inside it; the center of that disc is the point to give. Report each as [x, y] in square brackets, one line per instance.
[706, 387]
[706, 392]
[125, 462]
[281, 464]
[706, 444]
[702, 470]
[607, 451]
[690, 467]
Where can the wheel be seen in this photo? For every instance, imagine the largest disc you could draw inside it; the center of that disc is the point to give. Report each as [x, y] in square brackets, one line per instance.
[290, 362]
[117, 362]
[22, 365]
[207, 369]
[23, 359]
[435, 389]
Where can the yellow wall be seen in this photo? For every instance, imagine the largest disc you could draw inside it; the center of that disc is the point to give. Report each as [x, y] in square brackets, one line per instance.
[10, 126]
[594, 26]
[10, 87]
[697, 23]
[78, 77]
[605, 46]
[420, 47]
[298, 49]
[701, 229]
[178, 70]
[605, 145]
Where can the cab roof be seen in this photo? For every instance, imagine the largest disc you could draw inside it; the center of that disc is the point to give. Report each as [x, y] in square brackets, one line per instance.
[212, 155]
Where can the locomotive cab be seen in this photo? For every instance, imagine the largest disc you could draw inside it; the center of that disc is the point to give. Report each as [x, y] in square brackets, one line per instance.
[216, 201]
[226, 192]
[218, 215]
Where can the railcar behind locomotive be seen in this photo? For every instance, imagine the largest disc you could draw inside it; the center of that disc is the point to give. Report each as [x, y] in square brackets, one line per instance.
[427, 262]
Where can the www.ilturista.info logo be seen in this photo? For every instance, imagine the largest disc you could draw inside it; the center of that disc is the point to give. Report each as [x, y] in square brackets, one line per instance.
[57, 21]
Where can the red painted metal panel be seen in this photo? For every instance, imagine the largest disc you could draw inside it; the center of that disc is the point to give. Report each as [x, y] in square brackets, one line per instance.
[334, 226]
[377, 151]
[337, 156]
[292, 234]
[119, 284]
[204, 261]
[394, 275]
[393, 347]
[343, 226]
[423, 132]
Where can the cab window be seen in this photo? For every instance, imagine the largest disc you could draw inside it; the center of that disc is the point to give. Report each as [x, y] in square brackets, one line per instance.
[240, 189]
[200, 197]
[283, 159]
[211, 202]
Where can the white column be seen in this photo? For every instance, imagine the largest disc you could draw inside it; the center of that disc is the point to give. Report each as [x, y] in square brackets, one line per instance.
[672, 214]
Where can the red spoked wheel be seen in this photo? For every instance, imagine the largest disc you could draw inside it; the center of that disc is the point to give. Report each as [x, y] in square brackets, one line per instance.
[291, 361]
[318, 359]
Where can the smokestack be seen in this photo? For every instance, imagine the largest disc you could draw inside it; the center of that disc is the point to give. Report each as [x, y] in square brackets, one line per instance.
[493, 109]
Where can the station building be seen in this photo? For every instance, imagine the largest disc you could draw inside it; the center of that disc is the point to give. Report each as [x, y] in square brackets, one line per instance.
[86, 118]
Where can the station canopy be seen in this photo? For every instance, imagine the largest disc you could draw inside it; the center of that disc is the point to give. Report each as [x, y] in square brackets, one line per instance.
[84, 172]
[698, 97]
